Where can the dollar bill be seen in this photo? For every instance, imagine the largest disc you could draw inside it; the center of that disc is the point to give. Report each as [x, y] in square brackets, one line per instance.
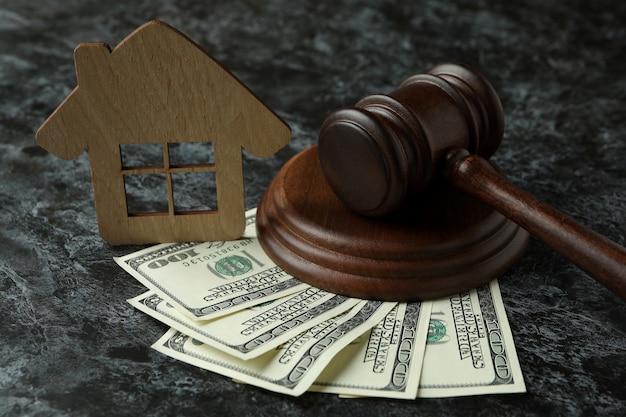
[470, 349]
[292, 367]
[255, 330]
[385, 361]
[211, 279]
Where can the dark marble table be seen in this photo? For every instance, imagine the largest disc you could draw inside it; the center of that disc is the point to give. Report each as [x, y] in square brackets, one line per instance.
[71, 345]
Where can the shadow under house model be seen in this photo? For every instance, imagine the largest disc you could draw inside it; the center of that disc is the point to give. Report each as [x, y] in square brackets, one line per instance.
[159, 89]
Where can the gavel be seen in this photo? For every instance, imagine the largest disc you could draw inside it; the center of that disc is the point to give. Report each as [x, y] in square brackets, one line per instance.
[442, 126]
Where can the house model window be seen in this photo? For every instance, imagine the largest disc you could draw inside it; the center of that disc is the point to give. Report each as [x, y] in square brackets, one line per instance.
[169, 179]
[164, 125]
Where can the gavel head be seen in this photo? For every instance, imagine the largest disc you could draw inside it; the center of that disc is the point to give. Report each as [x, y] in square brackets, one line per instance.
[388, 147]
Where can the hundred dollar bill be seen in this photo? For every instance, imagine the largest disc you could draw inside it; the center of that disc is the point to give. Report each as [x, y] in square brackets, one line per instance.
[211, 279]
[292, 367]
[470, 348]
[386, 361]
[253, 331]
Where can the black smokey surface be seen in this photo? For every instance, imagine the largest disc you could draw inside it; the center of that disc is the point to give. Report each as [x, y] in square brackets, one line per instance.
[71, 345]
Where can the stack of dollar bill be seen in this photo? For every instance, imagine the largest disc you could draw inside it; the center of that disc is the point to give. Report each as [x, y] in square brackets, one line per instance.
[234, 312]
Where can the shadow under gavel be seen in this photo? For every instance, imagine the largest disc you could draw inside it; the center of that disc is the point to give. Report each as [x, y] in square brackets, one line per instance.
[442, 126]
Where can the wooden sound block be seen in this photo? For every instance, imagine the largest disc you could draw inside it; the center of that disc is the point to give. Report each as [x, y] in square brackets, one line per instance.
[444, 244]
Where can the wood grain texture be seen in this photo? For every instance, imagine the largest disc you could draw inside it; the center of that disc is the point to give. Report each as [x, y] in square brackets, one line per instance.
[423, 251]
[159, 87]
[388, 147]
[400, 150]
[601, 258]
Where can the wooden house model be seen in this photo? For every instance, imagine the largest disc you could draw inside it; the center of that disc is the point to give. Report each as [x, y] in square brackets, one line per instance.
[158, 90]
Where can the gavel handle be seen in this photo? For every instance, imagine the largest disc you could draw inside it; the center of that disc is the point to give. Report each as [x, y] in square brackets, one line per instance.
[601, 258]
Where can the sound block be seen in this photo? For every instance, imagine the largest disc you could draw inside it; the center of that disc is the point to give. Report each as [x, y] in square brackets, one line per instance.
[441, 245]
